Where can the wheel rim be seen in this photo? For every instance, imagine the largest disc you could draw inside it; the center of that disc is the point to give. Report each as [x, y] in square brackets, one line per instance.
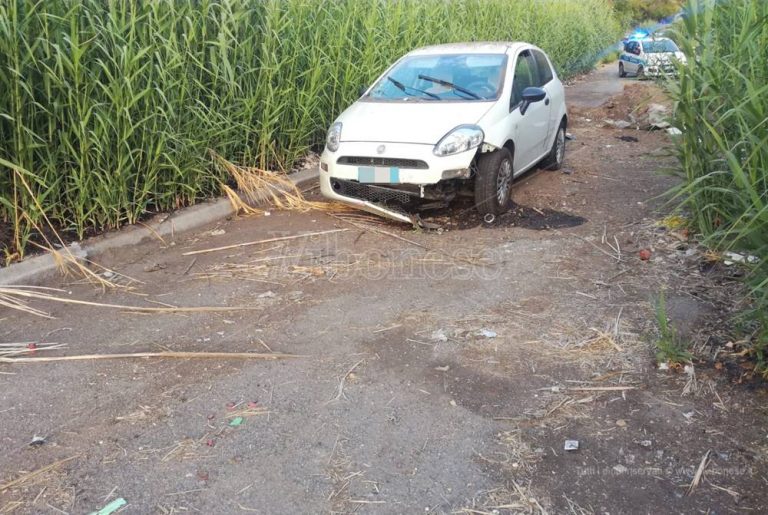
[503, 181]
[560, 149]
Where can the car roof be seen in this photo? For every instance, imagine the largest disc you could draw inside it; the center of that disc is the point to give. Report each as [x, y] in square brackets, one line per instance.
[478, 47]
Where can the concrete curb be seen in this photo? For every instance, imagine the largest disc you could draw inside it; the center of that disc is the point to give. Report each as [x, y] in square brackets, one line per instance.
[37, 269]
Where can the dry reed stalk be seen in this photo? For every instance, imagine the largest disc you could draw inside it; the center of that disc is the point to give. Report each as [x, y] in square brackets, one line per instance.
[31, 475]
[178, 355]
[259, 242]
[257, 185]
[9, 298]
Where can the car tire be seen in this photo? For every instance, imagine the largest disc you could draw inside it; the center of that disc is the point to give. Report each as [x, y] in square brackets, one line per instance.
[622, 71]
[640, 72]
[493, 182]
[556, 156]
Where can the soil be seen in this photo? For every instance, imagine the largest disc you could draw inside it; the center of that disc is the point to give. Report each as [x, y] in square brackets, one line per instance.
[442, 374]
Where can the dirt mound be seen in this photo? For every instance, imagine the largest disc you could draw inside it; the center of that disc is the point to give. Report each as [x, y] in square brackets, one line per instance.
[632, 106]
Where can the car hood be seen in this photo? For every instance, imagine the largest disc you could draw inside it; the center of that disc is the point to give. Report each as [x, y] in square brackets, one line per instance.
[664, 58]
[407, 122]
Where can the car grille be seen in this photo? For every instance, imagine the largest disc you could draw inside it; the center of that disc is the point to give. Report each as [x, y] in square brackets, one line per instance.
[370, 193]
[383, 161]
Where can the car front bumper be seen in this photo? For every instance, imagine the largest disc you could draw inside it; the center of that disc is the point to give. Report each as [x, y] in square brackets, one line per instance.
[345, 175]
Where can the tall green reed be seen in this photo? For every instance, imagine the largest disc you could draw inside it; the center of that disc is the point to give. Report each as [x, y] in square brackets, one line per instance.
[722, 110]
[110, 107]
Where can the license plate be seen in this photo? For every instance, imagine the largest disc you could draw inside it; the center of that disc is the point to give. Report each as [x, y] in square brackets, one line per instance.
[378, 174]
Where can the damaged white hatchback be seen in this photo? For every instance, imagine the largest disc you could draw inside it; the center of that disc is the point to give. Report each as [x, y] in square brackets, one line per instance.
[443, 121]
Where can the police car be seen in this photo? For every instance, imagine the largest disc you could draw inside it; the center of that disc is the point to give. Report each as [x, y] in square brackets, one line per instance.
[649, 57]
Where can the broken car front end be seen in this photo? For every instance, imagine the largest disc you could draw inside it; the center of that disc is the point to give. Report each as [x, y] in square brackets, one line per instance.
[393, 179]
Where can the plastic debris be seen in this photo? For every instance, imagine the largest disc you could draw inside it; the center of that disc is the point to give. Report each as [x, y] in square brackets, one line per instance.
[439, 335]
[569, 136]
[571, 445]
[111, 507]
[488, 333]
[231, 406]
[618, 124]
[646, 443]
[657, 116]
[644, 254]
[236, 421]
[37, 441]
[211, 443]
[267, 295]
[217, 232]
[674, 131]
[734, 257]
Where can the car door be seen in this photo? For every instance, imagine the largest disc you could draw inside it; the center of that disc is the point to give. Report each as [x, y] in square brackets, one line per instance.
[554, 91]
[641, 55]
[529, 129]
[630, 57]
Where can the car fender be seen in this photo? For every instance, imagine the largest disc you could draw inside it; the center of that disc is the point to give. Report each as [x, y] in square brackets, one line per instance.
[495, 125]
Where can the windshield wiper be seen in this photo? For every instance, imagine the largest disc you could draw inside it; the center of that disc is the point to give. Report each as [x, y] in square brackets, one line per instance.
[451, 85]
[402, 87]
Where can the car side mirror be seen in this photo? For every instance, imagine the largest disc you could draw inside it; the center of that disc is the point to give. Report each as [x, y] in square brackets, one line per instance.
[530, 96]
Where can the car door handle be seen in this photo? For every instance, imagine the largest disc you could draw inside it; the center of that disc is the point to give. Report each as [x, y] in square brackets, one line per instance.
[546, 101]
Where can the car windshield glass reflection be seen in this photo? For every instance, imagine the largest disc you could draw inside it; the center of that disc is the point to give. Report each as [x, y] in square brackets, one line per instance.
[659, 47]
[427, 78]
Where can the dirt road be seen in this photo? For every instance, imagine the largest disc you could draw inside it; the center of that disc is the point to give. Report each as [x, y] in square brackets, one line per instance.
[437, 375]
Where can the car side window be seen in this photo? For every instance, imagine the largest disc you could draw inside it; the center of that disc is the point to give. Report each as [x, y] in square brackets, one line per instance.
[545, 70]
[526, 75]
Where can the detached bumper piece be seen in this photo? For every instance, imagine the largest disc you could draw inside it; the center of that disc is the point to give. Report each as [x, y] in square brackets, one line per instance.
[384, 201]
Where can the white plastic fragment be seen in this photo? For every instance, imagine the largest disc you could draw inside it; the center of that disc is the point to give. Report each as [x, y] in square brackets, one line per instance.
[735, 257]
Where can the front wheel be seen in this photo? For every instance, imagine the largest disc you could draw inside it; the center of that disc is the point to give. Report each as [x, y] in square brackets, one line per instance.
[622, 72]
[640, 72]
[493, 182]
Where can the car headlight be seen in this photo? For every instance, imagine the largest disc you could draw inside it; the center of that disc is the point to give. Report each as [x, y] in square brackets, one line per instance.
[333, 139]
[460, 139]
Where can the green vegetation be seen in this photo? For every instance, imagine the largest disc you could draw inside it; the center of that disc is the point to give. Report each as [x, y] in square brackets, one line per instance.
[722, 110]
[670, 348]
[636, 11]
[109, 107]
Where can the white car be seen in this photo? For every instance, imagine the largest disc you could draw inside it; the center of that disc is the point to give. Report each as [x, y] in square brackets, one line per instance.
[651, 57]
[443, 120]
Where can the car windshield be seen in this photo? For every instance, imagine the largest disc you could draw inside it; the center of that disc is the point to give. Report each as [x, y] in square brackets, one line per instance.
[432, 78]
[659, 46]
